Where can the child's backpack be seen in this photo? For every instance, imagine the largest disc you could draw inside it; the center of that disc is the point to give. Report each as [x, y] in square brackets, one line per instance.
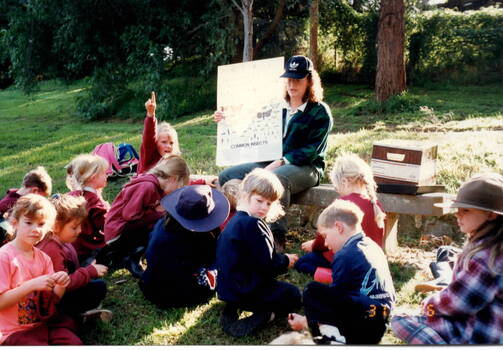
[123, 159]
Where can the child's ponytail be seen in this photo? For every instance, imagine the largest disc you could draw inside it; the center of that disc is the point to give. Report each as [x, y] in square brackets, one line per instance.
[371, 186]
[355, 170]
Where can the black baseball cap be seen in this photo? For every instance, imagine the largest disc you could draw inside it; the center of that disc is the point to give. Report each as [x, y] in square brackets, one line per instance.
[297, 67]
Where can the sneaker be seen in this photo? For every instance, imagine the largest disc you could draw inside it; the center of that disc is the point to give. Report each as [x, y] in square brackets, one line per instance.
[103, 314]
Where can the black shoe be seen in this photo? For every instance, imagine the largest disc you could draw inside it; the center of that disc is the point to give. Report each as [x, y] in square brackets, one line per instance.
[133, 266]
[229, 317]
[249, 325]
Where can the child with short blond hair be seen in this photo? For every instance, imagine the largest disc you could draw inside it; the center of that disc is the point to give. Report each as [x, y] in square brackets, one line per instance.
[353, 180]
[470, 309]
[29, 287]
[361, 295]
[247, 261]
[35, 181]
[85, 292]
[87, 177]
[137, 208]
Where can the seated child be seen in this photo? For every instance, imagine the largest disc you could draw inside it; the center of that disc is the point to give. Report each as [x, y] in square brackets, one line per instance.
[29, 287]
[360, 298]
[84, 292]
[182, 246]
[87, 177]
[441, 269]
[247, 262]
[35, 181]
[231, 191]
[470, 309]
[353, 181]
[159, 140]
[136, 209]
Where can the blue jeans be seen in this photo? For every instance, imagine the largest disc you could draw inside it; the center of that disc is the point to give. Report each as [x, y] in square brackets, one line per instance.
[294, 178]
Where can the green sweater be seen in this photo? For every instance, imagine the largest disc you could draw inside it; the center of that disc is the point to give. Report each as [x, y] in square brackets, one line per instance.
[305, 141]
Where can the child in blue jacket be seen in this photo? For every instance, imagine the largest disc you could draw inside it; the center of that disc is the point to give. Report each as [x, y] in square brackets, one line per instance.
[359, 299]
[247, 262]
[181, 249]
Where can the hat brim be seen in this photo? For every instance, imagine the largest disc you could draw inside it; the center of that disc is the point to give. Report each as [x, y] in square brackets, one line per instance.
[456, 204]
[208, 223]
[294, 75]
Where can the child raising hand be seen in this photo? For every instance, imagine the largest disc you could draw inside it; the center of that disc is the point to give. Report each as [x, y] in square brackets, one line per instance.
[159, 140]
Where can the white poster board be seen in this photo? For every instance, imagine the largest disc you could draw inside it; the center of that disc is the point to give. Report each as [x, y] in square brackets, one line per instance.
[251, 97]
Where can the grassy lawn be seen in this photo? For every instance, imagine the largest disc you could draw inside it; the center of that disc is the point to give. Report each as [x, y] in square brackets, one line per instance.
[465, 121]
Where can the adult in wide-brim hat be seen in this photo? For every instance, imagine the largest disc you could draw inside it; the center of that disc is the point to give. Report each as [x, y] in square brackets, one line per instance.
[483, 192]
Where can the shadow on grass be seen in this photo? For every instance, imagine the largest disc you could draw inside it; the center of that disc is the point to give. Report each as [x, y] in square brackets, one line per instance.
[401, 274]
[134, 319]
[207, 331]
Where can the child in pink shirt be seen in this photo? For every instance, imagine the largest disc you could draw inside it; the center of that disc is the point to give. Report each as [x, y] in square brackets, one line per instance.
[29, 287]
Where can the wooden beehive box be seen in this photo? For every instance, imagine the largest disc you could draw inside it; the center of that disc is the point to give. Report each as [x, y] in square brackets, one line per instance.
[404, 162]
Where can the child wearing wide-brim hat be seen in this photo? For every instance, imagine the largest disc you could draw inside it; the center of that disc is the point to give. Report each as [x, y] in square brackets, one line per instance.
[182, 246]
[470, 309]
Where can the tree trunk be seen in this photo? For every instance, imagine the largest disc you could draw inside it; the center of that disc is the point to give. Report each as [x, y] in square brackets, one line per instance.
[390, 76]
[248, 30]
[272, 27]
[314, 16]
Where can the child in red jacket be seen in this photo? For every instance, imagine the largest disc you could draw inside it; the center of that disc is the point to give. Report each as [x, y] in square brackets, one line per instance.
[159, 140]
[36, 181]
[87, 176]
[353, 180]
[136, 209]
[85, 292]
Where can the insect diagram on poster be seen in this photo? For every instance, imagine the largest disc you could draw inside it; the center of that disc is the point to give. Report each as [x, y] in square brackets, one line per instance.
[251, 96]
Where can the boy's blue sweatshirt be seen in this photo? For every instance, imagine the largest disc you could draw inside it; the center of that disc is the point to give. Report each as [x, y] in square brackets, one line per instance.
[246, 260]
[360, 269]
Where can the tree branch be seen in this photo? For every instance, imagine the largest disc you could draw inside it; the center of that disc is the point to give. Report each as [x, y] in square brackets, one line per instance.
[241, 9]
[272, 27]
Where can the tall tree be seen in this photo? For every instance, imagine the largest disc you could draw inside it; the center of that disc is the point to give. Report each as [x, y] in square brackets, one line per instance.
[246, 9]
[314, 15]
[390, 76]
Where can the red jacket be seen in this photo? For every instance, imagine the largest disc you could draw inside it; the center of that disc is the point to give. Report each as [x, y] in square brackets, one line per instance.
[369, 224]
[64, 258]
[149, 156]
[7, 202]
[134, 206]
[91, 237]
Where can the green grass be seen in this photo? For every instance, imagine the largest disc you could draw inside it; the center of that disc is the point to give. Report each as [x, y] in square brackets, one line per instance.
[466, 122]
